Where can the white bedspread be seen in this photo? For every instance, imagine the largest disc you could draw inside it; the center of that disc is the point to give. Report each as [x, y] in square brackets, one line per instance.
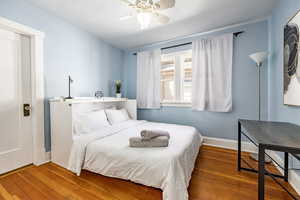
[107, 152]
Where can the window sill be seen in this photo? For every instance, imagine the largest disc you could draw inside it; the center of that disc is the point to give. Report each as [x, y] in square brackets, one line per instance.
[176, 104]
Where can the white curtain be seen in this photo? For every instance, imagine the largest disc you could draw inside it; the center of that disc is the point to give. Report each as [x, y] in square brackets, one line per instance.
[212, 74]
[148, 79]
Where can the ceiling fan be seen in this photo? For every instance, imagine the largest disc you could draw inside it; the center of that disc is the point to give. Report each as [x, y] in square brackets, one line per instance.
[146, 10]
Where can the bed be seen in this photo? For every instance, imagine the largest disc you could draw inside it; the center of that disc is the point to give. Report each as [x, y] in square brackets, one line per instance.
[105, 149]
[107, 152]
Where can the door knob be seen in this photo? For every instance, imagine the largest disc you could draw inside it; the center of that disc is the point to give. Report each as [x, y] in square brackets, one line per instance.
[26, 109]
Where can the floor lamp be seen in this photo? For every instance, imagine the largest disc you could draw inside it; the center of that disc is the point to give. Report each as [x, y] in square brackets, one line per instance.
[259, 58]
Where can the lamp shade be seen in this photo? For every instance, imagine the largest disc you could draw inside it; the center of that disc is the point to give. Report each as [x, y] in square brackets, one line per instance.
[259, 57]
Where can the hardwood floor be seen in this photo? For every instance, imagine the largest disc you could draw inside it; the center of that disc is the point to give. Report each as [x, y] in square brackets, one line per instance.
[215, 177]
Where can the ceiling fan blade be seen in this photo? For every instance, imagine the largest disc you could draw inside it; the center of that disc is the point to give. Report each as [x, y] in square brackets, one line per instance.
[165, 4]
[126, 17]
[129, 2]
[163, 19]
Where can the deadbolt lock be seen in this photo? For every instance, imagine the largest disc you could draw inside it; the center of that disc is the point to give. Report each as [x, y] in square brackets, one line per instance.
[26, 109]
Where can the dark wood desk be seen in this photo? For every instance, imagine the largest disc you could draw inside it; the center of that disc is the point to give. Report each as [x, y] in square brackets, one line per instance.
[275, 136]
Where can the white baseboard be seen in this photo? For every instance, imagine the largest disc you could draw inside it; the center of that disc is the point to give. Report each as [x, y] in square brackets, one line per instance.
[294, 178]
[229, 144]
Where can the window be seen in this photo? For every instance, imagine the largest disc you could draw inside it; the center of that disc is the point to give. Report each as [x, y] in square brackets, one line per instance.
[176, 77]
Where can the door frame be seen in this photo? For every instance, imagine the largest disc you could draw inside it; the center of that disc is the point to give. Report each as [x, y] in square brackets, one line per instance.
[40, 155]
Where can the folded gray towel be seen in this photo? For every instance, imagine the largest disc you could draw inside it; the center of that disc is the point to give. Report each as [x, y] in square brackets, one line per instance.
[160, 141]
[151, 134]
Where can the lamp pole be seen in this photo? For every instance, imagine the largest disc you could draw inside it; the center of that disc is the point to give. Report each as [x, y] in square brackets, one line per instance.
[259, 58]
[259, 66]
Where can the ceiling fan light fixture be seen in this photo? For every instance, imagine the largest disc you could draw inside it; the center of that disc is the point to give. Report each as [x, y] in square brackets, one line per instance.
[144, 19]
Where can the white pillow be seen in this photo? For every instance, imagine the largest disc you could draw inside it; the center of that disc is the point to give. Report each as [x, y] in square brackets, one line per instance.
[117, 116]
[88, 122]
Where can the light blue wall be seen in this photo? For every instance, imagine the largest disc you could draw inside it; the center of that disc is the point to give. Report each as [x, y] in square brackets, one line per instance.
[277, 111]
[92, 63]
[245, 97]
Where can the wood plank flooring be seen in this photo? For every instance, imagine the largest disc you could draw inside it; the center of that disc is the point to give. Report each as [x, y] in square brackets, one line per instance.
[215, 177]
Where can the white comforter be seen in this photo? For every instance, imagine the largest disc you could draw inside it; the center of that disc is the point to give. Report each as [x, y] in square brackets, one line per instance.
[107, 152]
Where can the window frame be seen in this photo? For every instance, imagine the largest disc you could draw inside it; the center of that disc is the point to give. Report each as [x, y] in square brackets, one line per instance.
[179, 80]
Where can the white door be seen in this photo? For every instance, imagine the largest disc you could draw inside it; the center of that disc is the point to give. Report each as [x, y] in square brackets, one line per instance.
[15, 91]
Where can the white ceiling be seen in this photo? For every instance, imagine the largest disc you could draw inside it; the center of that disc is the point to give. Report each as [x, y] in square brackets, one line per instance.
[187, 17]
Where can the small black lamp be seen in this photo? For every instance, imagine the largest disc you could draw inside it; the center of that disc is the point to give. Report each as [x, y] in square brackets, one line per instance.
[70, 81]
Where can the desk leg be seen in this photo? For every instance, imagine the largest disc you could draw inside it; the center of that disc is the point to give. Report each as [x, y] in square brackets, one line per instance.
[261, 172]
[286, 166]
[239, 146]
